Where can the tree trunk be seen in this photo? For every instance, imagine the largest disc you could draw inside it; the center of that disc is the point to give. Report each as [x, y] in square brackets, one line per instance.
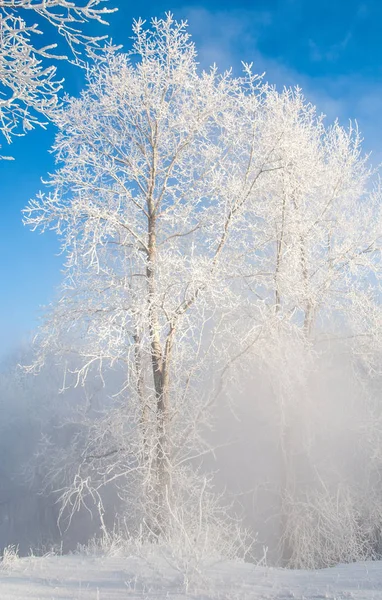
[160, 370]
[287, 492]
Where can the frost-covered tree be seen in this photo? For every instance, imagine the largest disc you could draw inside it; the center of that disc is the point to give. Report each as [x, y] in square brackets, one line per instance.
[318, 274]
[29, 85]
[208, 223]
[328, 251]
[160, 164]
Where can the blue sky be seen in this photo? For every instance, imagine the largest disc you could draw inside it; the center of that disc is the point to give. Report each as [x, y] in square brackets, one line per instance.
[332, 49]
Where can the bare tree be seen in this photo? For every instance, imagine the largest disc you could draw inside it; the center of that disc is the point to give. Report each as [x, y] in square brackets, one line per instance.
[319, 275]
[208, 222]
[157, 175]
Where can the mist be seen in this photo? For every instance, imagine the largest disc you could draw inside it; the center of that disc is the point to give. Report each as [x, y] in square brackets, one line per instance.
[329, 424]
[330, 430]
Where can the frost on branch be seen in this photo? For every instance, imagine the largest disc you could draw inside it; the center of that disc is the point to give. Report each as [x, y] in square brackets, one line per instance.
[147, 201]
[29, 87]
[209, 223]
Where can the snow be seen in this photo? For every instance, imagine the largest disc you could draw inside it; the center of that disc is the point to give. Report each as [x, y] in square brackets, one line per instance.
[79, 577]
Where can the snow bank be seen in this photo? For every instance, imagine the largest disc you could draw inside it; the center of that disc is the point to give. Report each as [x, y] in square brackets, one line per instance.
[78, 577]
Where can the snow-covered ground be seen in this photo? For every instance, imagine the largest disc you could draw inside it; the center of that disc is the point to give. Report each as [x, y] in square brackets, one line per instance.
[111, 578]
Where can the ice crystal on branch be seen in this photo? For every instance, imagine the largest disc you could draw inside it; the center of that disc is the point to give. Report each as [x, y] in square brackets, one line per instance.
[29, 88]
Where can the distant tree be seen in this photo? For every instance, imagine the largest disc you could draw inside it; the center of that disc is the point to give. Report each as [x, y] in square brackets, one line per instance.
[29, 87]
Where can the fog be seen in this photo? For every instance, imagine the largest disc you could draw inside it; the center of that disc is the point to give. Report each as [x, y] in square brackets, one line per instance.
[302, 461]
[331, 432]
